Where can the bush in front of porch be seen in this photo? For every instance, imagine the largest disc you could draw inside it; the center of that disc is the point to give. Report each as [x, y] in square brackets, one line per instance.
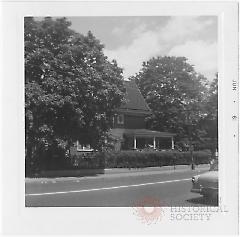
[136, 159]
[133, 159]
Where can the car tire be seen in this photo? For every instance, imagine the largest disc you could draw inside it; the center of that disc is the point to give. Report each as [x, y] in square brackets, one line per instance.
[211, 197]
[207, 196]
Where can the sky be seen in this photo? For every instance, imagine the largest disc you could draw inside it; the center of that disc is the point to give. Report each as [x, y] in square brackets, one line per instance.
[133, 40]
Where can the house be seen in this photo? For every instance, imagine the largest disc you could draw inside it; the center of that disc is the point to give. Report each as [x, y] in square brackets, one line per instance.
[129, 127]
[129, 130]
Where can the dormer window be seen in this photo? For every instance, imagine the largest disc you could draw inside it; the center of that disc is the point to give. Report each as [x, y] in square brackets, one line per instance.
[120, 119]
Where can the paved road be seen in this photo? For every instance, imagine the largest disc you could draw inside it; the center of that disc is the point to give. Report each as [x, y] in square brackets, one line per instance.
[169, 187]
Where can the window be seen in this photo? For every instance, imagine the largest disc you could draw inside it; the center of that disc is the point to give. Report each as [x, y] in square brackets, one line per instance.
[120, 119]
[83, 147]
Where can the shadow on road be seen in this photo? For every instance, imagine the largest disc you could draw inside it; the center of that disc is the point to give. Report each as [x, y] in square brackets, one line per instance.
[203, 201]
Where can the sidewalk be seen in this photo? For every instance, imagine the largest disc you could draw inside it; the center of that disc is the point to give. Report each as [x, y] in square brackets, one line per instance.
[163, 168]
[122, 172]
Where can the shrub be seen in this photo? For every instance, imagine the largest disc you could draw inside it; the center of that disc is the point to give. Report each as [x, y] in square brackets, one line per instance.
[134, 159]
[91, 160]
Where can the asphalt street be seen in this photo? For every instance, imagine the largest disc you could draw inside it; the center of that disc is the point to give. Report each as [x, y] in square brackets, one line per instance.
[124, 189]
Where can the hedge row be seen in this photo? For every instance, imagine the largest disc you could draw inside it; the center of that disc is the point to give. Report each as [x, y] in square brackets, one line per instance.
[134, 159]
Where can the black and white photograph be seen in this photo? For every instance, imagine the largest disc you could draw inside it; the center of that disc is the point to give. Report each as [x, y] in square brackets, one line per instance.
[119, 109]
[120, 114]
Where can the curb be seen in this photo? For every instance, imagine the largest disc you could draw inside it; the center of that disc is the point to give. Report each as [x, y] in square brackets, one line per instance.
[163, 168]
[108, 173]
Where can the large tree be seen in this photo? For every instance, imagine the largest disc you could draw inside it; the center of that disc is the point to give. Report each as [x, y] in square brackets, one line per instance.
[209, 124]
[175, 92]
[71, 89]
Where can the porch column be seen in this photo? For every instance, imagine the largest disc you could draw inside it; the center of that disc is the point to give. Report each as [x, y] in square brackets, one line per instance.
[154, 143]
[134, 143]
[172, 143]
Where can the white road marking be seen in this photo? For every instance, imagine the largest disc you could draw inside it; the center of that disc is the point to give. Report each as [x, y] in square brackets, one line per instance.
[107, 188]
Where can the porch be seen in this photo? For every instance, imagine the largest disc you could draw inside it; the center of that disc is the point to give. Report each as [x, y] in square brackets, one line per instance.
[137, 139]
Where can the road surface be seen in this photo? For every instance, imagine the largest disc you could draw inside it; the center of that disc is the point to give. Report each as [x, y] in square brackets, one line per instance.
[169, 187]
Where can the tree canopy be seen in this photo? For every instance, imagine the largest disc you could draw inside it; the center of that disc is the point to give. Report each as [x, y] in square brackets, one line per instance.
[71, 89]
[209, 123]
[176, 93]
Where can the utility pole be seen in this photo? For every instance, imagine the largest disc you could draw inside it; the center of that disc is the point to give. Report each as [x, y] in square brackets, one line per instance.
[189, 124]
[191, 153]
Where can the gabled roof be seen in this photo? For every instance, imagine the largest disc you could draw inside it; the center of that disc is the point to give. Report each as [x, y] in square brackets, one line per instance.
[135, 102]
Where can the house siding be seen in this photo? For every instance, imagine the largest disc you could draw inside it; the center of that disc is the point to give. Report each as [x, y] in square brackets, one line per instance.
[130, 121]
[134, 121]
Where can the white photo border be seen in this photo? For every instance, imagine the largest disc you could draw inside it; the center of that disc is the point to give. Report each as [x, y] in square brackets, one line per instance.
[18, 219]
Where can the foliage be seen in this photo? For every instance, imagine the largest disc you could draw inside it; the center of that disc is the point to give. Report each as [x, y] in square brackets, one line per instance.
[71, 89]
[134, 159]
[209, 124]
[122, 159]
[176, 93]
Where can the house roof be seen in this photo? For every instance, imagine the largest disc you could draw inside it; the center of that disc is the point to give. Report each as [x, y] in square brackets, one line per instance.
[147, 133]
[135, 103]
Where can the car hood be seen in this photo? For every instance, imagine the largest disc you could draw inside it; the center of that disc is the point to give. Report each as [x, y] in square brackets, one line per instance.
[209, 179]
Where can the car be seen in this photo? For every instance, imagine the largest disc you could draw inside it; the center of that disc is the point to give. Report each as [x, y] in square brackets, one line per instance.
[207, 184]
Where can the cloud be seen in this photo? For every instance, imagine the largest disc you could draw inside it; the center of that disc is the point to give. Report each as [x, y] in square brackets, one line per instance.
[202, 55]
[181, 36]
[180, 28]
[131, 57]
[118, 31]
